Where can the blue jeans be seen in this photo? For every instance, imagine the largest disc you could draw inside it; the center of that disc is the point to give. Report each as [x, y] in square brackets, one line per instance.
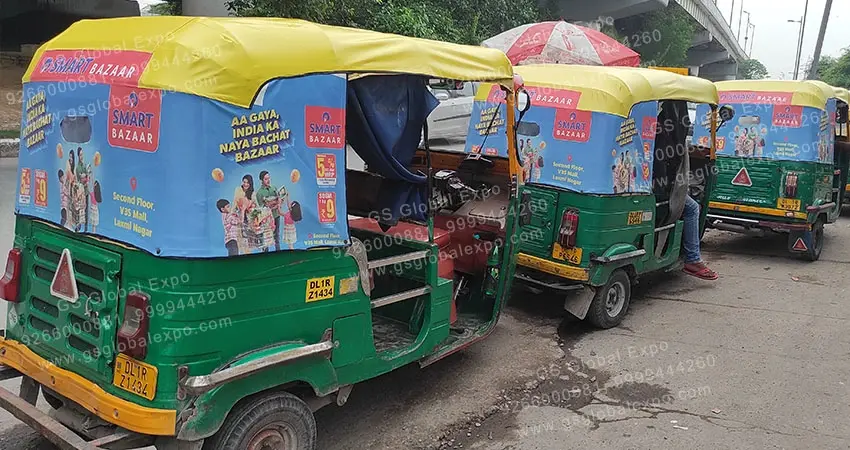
[690, 235]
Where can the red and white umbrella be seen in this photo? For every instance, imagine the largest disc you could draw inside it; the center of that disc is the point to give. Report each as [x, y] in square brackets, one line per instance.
[561, 43]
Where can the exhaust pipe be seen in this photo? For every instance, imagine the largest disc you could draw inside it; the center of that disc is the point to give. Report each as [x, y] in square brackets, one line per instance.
[756, 232]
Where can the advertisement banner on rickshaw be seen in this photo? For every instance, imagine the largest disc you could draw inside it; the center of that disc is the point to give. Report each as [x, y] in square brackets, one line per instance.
[180, 175]
[767, 125]
[559, 145]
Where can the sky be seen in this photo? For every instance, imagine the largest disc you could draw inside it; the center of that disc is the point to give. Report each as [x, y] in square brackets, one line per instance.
[776, 40]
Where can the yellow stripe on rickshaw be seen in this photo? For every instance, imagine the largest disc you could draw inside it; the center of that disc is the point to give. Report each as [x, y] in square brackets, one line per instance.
[124, 413]
[758, 210]
[553, 268]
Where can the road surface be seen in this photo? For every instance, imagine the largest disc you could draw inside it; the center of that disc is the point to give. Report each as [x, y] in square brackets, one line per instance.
[758, 359]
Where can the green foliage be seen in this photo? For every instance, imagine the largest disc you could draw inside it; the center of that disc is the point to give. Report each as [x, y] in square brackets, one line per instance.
[751, 69]
[167, 8]
[661, 37]
[464, 21]
[835, 71]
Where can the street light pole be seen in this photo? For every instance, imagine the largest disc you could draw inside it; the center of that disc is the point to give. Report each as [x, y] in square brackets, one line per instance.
[802, 36]
[752, 39]
[746, 30]
[813, 70]
[740, 17]
[799, 46]
[732, 12]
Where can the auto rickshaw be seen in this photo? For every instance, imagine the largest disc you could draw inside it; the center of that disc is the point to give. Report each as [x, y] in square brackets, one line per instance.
[227, 294]
[778, 168]
[604, 161]
[842, 130]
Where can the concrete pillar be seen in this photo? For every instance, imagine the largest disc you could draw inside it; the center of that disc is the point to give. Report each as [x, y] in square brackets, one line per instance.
[208, 8]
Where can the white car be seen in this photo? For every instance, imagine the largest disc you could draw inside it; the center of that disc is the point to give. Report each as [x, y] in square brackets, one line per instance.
[450, 120]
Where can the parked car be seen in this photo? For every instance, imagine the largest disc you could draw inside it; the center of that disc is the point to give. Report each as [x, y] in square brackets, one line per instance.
[450, 120]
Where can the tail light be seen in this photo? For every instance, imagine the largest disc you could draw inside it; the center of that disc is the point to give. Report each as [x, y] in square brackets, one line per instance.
[569, 229]
[133, 334]
[790, 185]
[11, 281]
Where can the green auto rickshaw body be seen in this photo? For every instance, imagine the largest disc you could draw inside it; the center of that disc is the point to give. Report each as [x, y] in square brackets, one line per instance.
[222, 262]
[777, 164]
[590, 146]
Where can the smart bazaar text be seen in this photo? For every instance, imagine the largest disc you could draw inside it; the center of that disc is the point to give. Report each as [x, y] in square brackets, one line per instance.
[80, 65]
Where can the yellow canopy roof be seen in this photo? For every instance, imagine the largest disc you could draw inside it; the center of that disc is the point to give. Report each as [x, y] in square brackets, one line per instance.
[842, 94]
[804, 93]
[615, 90]
[240, 54]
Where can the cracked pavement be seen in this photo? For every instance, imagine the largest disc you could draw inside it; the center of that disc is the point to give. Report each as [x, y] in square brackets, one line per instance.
[755, 360]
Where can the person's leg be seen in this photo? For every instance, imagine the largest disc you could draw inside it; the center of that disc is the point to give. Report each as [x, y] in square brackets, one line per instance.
[690, 243]
[690, 234]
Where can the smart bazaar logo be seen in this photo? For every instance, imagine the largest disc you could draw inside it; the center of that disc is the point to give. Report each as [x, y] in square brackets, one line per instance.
[324, 127]
[134, 118]
[554, 98]
[120, 67]
[756, 98]
[572, 125]
[788, 116]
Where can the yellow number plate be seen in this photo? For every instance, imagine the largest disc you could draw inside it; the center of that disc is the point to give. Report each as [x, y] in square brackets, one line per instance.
[570, 255]
[635, 217]
[135, 376]
[790, 204]
[319, 289]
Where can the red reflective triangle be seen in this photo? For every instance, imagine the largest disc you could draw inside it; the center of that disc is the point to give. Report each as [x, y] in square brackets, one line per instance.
[742, 178]
[800, 245]
[64, 284]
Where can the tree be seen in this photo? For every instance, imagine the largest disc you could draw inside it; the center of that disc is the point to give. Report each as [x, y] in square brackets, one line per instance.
[751, 69]
[661, 37]
[167, 8]
[834, 71]
[463, 21]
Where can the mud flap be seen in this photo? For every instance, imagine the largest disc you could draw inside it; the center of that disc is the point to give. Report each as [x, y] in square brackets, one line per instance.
[579, 302]
[800, 241]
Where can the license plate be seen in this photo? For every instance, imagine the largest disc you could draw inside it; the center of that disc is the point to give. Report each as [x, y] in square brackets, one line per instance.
[570, 255]
[791, 204]
[135, 376]
[635, 218]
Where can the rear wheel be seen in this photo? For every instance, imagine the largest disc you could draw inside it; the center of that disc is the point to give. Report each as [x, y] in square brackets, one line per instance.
[273, 421]
[813, 253]
[611, 301]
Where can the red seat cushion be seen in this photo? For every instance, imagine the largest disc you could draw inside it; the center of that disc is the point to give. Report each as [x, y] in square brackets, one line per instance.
[404, 230]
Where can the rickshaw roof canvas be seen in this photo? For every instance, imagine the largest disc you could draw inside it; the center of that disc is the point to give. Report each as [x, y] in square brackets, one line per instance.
[796, 93]
[615, 90]
[230, 59]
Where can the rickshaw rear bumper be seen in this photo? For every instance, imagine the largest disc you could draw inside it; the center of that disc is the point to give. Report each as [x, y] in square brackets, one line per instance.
[17, 360]
[752, 226]
[560, 270]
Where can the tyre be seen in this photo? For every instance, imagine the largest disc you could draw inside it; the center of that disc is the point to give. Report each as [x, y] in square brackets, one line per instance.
[272, 421]
[813, 253]
[611, 302]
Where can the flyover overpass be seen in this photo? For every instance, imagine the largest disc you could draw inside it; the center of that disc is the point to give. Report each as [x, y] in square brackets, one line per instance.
[714, 52]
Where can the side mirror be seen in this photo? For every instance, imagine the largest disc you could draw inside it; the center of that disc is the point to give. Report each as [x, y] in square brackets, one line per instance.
[523, 101]
[726, 113]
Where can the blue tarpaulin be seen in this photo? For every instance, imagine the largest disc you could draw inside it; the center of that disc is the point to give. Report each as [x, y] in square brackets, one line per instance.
[385, 115]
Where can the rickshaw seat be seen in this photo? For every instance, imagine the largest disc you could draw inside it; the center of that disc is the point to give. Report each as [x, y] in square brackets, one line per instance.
[404, 230]
[443, 239]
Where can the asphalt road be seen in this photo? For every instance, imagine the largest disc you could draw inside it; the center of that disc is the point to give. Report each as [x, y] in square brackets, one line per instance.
[758, 359]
